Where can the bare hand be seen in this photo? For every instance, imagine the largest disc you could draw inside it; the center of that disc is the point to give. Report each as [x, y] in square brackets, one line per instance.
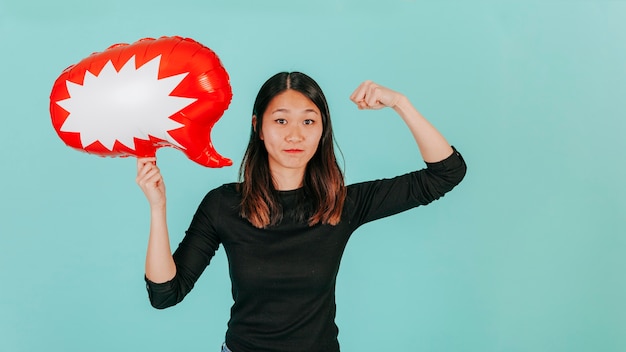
[370, 95]
[150, 181]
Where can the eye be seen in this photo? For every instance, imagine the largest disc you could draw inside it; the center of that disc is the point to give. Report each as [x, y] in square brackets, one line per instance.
[309, 122]
[281, 121]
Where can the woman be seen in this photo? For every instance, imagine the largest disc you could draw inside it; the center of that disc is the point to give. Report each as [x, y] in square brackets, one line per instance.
[285, 225]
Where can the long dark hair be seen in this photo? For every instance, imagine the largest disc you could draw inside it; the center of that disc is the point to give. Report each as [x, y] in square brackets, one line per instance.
[323, 183]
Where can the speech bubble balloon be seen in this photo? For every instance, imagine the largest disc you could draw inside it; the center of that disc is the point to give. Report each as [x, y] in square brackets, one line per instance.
[131, 99]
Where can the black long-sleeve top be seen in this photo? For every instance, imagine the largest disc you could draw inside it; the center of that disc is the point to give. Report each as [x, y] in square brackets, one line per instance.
[283, 277]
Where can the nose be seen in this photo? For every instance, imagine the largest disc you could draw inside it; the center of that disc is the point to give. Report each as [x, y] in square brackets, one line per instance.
[294, 134]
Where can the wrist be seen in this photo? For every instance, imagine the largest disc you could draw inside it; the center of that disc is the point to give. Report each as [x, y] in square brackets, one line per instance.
[157, 207]
[403, 105]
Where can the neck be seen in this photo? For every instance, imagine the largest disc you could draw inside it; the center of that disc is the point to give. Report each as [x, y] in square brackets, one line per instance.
[288, 180]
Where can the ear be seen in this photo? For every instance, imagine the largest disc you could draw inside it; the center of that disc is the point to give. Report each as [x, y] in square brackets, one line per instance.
[254, 127]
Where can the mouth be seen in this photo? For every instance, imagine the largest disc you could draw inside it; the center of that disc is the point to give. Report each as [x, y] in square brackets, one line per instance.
[293, 151]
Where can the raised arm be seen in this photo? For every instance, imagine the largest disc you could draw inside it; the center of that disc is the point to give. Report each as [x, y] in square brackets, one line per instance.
[432, 145]
[160, 265]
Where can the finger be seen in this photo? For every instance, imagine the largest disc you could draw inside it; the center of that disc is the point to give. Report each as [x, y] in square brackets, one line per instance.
[383, 97]
[149, 171]
[146, 173]
[356, 93]
[144, 169]
[144, 160]
[359, 93]
[374, 96]
[141, 162]
[146, 163]
[151, 182]
[152, 179]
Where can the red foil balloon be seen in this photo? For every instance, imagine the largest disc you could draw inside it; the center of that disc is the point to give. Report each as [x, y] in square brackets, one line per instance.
[132, 99]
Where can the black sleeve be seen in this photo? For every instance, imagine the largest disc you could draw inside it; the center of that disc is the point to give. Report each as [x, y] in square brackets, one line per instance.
[441, 177]
[191, 257]
[378, 199]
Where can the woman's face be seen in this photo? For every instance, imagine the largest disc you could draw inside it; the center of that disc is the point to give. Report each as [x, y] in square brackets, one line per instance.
[291, 131]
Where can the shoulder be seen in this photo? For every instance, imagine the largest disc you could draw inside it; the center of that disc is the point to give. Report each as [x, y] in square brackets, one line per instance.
[225, 191]
[226, 194]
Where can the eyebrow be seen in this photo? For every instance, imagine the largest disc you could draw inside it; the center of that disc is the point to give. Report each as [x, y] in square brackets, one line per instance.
[287, 110]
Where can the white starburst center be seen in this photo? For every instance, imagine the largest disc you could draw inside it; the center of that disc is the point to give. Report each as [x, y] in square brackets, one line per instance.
[121, 106]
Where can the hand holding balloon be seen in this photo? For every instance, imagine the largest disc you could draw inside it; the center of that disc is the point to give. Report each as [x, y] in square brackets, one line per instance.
[132, 99]
[151, 182]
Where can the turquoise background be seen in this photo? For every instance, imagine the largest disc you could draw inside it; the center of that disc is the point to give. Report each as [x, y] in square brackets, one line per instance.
[527, 254]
